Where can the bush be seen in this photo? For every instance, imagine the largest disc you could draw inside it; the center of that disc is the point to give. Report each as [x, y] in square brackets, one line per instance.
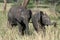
[58, 8]
[8, 1]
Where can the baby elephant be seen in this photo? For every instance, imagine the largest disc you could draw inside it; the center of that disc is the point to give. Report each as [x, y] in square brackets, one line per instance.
[40, 20]
[20, 16]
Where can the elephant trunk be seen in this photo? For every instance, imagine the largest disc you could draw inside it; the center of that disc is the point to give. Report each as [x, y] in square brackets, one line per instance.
[54, 23]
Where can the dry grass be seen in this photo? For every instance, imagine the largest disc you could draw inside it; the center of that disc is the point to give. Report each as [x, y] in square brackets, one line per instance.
[13, 34]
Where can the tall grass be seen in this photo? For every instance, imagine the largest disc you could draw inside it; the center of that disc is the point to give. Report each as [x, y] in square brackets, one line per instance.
[6, 33]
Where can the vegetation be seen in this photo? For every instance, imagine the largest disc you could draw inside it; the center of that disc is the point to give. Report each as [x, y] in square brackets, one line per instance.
[8, 34]
[52, 33]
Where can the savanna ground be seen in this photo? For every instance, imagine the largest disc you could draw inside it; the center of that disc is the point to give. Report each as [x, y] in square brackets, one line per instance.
[52, 33]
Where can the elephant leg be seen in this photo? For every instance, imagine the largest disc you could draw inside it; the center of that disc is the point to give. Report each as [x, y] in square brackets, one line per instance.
[9, 24]
[23, 27]
[26, 26]
[20, 28]
[44, 30]
[36, 26]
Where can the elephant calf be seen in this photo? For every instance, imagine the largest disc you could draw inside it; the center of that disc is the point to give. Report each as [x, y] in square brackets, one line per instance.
[40, 20]
[20, 16]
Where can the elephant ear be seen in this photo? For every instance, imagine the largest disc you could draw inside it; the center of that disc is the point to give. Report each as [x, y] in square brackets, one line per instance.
[46, 19]
[29, 13]
[41, 13]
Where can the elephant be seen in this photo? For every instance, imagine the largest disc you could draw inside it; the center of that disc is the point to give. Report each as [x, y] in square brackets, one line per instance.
[40, 20]
[20, 16]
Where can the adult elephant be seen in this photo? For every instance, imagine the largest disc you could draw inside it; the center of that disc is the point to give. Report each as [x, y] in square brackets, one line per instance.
[40, 20]
[18, 15]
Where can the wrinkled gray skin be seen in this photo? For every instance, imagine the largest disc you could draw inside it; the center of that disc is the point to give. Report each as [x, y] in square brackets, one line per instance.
[46, 20]
[40, 20]
[20, 16]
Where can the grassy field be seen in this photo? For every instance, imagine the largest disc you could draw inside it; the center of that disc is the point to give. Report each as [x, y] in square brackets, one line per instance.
[13, 34]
